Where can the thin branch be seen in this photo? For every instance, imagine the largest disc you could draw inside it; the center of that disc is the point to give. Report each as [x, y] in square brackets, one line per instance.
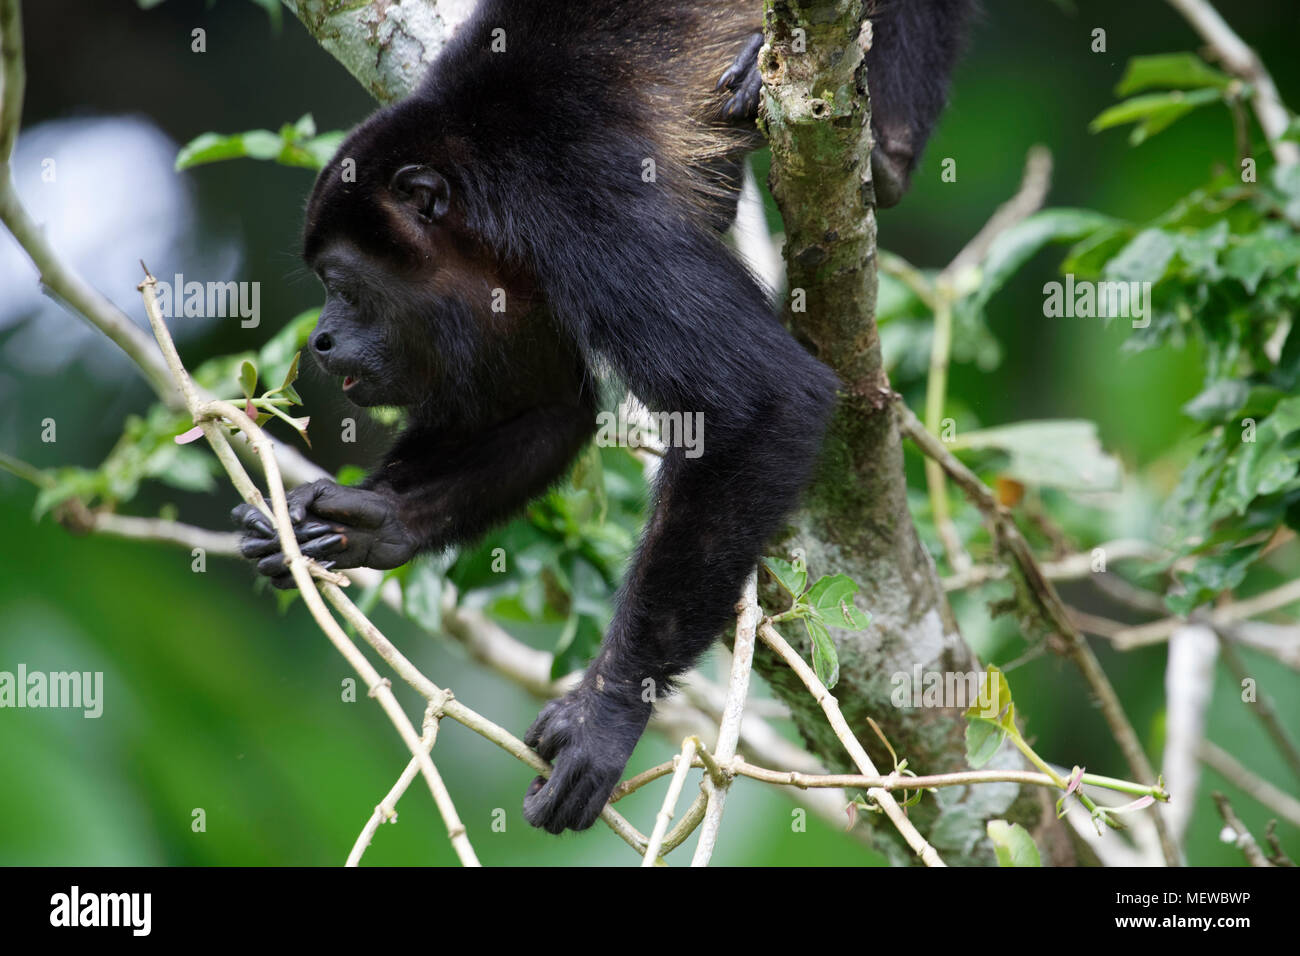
[674, 793]
[691, 819]
[13, 77]
[206, 414]
[1189, 687]
[457, 711]
[189, 537]
[1071, 567]
[386, 809]
[1029, 198]
[1274, 798]
[830, 706]
[1239, 59]
[1013, 546]
[1157, 631]
[893, 781]
[1263, 708]
[1242, 837]
[742, 659]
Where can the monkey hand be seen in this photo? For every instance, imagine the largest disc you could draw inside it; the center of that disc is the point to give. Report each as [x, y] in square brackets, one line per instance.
[743, 82]
[341, 527]
[588, 735]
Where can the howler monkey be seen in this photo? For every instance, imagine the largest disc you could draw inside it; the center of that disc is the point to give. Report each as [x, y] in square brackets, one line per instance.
[574, 160]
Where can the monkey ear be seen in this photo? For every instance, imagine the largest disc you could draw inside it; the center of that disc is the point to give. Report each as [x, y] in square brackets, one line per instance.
[424, 189]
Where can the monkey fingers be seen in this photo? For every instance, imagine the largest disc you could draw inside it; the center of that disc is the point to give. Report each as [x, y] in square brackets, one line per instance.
[571, 799]
[274, 564]
[358, 507]
[744, 81]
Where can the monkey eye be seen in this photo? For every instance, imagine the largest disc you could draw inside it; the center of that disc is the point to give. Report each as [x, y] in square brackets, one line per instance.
[424, 190]
[336, 290]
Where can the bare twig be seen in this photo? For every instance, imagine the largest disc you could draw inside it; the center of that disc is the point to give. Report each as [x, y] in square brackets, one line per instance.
[386, 809]
[221, 543]
[1013, 546]
[13, 76]
[1277, 856]
[1263, 708]
[665, 814]
[1157, 631]
[1275, 799]
[1071, 567]
[1240, 60]
[1029, 198]
[893, 781]
[207, 415]
[742, 659]
[1189, 685]
[883, 798]
[1242, 837]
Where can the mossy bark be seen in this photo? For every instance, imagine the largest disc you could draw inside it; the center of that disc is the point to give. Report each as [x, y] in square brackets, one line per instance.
[856, 519]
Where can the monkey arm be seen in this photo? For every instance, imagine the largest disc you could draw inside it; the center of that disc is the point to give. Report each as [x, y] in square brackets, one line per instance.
[448, 491]
[693, 333]
[431, 492]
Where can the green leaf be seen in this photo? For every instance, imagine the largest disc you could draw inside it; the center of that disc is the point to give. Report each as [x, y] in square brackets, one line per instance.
[321, 149]
[1200, 249]
[291, 146]
[1146, 258]
[422, 589]
[983, 740]
[832, 597]
[291, 376]
[1061, 454]
[1013, 844]
[1179, 71]
[188, 469]
[280, 353]
[216, 373]
[1265, 253]
[1154, 112]
[1270, 462]
[1217, 402]
[248, 379]
[1014, 247]
[792, 580]
[580, 638]
[260, 144]
[350, 475]
[1212, 576]
[825, 657]
[990, 718]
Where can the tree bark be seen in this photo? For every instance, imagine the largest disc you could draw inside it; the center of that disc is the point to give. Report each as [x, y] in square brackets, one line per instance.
[856, 519]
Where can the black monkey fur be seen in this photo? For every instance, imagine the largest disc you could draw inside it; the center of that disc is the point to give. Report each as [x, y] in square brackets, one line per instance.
[516, 176]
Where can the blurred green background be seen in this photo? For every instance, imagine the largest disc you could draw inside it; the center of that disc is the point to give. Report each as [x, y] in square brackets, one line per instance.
[215, 700]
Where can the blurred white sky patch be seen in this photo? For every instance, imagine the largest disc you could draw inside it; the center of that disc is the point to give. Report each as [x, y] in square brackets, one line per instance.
[107, 194]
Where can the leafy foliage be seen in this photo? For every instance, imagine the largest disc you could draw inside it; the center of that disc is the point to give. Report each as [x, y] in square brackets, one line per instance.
[827, 604]
[1222, 270]
[296, 144]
